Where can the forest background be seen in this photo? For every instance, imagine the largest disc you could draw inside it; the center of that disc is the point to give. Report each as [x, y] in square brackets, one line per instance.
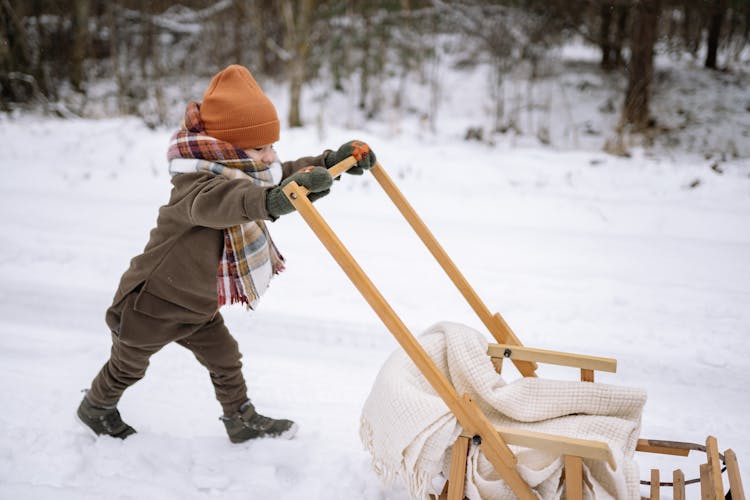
[90, 58]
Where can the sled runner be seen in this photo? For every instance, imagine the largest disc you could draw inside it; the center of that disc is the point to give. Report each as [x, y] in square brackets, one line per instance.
[477, 428]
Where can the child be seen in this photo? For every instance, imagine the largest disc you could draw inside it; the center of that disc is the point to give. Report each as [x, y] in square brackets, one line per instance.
[210, 247]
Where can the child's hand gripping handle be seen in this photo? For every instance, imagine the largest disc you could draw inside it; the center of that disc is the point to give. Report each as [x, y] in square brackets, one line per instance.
[310, 182]
[336, 170]
[297, 185]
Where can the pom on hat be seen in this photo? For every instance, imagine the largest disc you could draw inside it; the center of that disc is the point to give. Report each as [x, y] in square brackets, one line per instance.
[235, 110]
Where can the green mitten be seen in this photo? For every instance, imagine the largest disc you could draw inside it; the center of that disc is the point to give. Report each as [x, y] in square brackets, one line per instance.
[359, 150]
[316, 179]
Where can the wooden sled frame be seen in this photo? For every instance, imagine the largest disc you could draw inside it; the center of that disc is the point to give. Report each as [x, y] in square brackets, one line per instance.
[492, 441]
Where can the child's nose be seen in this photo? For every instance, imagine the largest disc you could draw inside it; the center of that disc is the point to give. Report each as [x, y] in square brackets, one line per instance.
[267, 157]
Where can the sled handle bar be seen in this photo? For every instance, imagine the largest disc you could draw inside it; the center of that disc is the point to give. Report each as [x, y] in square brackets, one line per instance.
[335, 171]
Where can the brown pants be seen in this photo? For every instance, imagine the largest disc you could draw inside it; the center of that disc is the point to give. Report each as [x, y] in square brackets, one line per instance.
[137, 336]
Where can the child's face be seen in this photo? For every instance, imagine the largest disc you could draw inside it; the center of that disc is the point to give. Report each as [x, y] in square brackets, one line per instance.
[263, 154]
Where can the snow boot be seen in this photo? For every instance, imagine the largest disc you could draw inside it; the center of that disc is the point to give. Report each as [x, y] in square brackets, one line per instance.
[249, 424]
[103, 421]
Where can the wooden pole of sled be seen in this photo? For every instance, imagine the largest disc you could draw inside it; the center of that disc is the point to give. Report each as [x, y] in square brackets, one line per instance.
[573, 477]
[494, 323]
[714, 467]
[678, 485]
[733, 472]
[457, 479]
[469, 416]
[707, 492]
[654, 491]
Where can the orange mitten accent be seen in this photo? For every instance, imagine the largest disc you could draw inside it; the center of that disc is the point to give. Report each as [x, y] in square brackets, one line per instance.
[359, 149]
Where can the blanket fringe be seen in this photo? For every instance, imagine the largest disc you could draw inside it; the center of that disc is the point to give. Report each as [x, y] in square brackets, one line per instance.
[418, 482]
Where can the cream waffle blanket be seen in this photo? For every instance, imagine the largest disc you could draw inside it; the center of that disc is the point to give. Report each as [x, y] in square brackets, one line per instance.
[409, 430]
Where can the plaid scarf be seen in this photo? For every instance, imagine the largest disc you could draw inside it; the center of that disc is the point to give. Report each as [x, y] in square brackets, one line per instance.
[250, 258]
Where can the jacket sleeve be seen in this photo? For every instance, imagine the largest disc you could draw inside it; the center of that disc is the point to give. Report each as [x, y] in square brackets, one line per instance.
[218, 203]
[290, 167]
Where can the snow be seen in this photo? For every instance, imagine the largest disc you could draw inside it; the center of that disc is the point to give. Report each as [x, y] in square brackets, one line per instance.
[579, 251]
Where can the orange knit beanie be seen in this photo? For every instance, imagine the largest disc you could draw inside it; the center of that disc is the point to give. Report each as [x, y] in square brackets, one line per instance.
[236, 110]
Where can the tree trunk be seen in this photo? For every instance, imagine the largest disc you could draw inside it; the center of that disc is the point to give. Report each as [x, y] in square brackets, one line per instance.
[364, 67]
[733, 36]
[240, 22]
[641, 68]
[297, 23]
[114, 56]
[604, 35]
[377, 67]
[14, 53]
[37, 62]
[14, 57]
[691, 34]
[80, 44]
[146, 50]
[620, 35]
[295, 94]
[498, 95]
[718, 11]
[270, 28]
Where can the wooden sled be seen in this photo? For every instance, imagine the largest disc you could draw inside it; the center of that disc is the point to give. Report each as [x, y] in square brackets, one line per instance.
[493, 441]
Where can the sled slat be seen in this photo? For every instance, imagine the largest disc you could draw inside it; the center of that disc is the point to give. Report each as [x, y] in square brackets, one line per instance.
[714, 467]
[552, 357]
[585, 448]
[654, 494]
[649, 446]
[678, 482]
[458, 469]
[733, 472]
[573, 477]
[707, 492]
[587, 375]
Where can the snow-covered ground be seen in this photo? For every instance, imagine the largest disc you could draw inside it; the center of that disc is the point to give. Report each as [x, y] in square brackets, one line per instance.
[578, 250]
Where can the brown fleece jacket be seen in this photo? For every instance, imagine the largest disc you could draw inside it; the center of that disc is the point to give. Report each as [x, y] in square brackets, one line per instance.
[178, 267]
